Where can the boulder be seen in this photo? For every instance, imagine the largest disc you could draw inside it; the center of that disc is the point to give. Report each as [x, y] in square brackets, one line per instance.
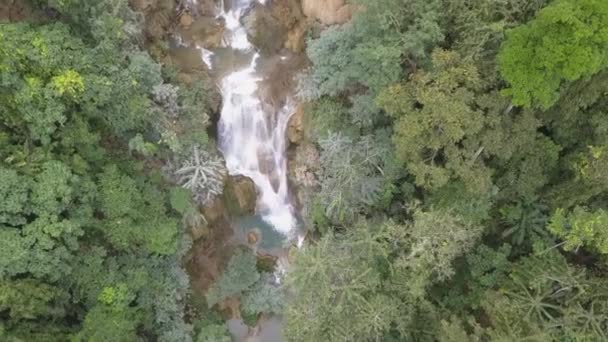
[295, 38]
[186, 20]
[267, 262]
[207, 8]
[240, 195]
[287, 12]
[15, 10]
[140, 5]
[303, 165]
[295, 127]
[252, 237]
[198, 232]
[328, 12]
[264, 30]
[214, 211]
[206, 32]
[188, 59]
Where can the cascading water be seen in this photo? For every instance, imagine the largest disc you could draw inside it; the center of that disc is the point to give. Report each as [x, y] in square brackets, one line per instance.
[251, 132]
[252, 137]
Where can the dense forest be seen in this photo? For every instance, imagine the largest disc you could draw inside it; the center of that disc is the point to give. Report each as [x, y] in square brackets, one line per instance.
[460, 186]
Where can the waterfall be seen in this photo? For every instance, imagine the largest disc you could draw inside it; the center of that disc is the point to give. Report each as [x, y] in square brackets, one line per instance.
[252, 134]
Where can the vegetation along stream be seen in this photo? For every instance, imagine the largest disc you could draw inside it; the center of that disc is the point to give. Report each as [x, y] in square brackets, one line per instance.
[303, 170]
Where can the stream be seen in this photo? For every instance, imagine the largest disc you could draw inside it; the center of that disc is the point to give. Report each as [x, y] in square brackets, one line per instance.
[252, 137]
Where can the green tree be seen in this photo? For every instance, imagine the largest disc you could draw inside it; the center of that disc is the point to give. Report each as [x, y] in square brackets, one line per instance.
[239, 276]
[264, 297]
[29, 299]
[565, 42]
[581, 228]
[379, 36]
[112, 319]
[544, 298]
[70, 99]
[352, 174]
[213, 333]
[143, 221]
[436, 122]
[371, 280]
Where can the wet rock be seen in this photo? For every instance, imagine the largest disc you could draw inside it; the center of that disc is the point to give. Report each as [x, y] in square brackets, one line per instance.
[230, 308]
[295, 38]
[275, 180]
[214, 211]
[159, 18]
[240, 195]
[303, 165]
[207, 8]
[185, 78]
[252, 237]
[264, 30]
[328, 12]
[15, 10]
[186, 20]
[188, 59]
[267, 262]
[140, 5]
[265, 160]
[198, 232]
[287, 12]
[279, 81]
[206, 32]
[295, 127]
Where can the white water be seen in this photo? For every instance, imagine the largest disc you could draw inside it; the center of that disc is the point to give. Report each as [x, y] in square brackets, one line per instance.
[251, 133]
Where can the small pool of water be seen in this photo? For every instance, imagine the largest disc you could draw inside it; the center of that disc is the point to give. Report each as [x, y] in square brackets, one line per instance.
[267, 330]
[269, 240]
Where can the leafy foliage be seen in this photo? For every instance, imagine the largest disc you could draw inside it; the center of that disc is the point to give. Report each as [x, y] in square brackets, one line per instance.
[581, 228]
[373, 277]
[264, 297]
[436, 121]
[565, 42]
[468, 169]
[240, 275]
[213, 333]
[89, 246]
[378, 36]
[525, 222]
[351, 174]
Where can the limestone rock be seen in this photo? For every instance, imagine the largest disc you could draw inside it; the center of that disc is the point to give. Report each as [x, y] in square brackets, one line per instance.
[295, 38]
[264, 30]
[214, 211]
[287, 12]
[199, 232]
[240, 195]
[207, 8]
[15, 10]
[186, 20]
[205, 32]
[140, 5]
[188, 59]
[267, 262]
[295, 127]
[304, 164]
[328, 12]
[252, 237]
[265, 160]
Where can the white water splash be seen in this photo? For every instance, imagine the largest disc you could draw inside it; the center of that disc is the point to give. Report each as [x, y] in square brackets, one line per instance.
[252, 134]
